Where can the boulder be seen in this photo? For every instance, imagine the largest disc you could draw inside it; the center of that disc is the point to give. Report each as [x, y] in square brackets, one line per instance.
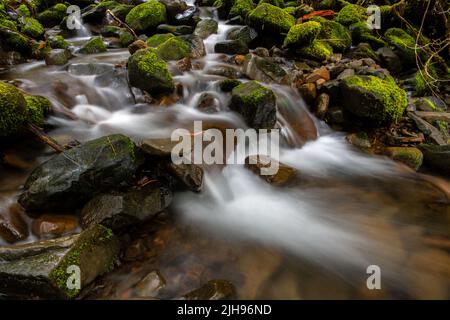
[37, 108]
[241, 8]
[244, 34]
[374, 99]
[231, 47]
[302, 34]
[173, 49]
[57, 57]
[44, 269]
[437, 157]
[53, 16]
[270, 19]
[31, 27]
[190, 175]
[13, 227]
[120, 210]
[317, 50]
[57, 42]
[147, 71]
[158, 39]
[205, 28]
[94, 45]
[256, 103]
[351, 14]
[146, 16]
[13, 109]
[68, 180]
[264, 70]
[403, 43]
[334, 33]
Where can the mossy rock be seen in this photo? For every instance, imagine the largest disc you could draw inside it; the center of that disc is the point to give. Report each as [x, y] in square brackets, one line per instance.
[302, 34]
[334, 33]
[31, 27]
[241, 8]
[276, 3]
[121, 11]
[256, 103]
[147, 71]
[157, 39]
[318, 50]
[125, 38]
[13, 109]
[8, 24]
[410, 156]
[57, 42]
[23, 10]
[14, 41]
[351, 14]
[403, 43]
[146, 16]
[173, 49]
[53, 16]
[270, 19]
[94, 45]
[374, 99]
[362, 33]
[205, 28]
[37, 108]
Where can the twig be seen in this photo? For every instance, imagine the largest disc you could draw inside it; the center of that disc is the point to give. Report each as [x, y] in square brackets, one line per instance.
[122, 23]
[44, 138]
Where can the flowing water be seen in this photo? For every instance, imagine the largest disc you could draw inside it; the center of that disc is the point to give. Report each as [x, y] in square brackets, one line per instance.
[311, 240]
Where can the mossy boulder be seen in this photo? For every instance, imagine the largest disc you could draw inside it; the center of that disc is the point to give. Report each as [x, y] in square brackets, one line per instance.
[270, 19]
[125, 38]
[256, 103]
[241, 8]
[37, 108]
[147, 71]
[374, 99]
[157, 39]
[146, 16]
[318, 50]
[94, 45]
[14, 41]
[362, 33]
[403, 43]
[351, 14]
[68, 180]
[302, 34]
[173, 49]
[23, 10]
[31, 27]
[276, 3]
[57, 42]
[53, 16]
[334, 33]
[410, 156]
[42, 268]
[8, 24]
[13, 109]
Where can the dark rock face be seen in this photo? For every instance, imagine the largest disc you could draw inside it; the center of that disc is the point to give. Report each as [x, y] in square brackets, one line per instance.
[256, 103]
[125, 209]
[190, 175]
[70, 179]
[231, 47]
[213, 290]
[41, 268]
[437, 157]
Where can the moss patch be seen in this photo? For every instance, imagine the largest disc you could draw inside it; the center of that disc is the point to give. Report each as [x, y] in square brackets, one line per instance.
[268, 18]
[318, 50]
[351, 14]
[302, 34]
[37, 108]
[53, 16]
[403, 42]
[173, 49]
[57, 42]
[334, 33]
[241, 8]
[31, 27]
[158, 39]
[12, 109]
[94, 45]
[146, 16]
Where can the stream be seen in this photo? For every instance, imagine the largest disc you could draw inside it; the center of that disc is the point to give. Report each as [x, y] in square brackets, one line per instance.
[313, 240]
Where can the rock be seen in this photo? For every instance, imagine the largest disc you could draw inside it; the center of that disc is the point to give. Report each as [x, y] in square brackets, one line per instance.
[437, 157]
[190, 175]
[37, 109]
[57, 57]
[403, 43]
[374, 99]
[262, 52]
[157, 39]
[208, 103]
[137, 45]
[364, 50]
[351, 14]
[189, 17]
[241, 8]
[362, 33]
[321, 73]
[31, 27]
[302, 34]
[197, 46]
[284, 175]
[336, 115]
[50, 225]
[222, 70]
[308, 92]
[176, 30]
[317, 50]
[270, 19]
[52, 16]
[256, 103]
[332, 88]
[244, 34]
[430, 131]
[322, 103]
[158, 147]
[227, 85]
[264, 70]
[68, 180]
[13, 227]
[147, 71]
[94, 45]
[213, 290]
[146, 16]
[13, 109]
[120, 210]
[410, 156]
[173, 49]
[231, 47]
[346, 73]
[359, 140]
[14, 41]
[390, 59]
[205, 28]
[334, 34]
[150, 285]
[174, 7]
[125, 38]
[57, 42]
[47, 273]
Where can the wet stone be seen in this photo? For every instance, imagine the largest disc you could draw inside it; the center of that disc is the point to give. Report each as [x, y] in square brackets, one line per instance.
[13, 227]
[213, 290]
[150, 285]
[49, 225]
[284, 175]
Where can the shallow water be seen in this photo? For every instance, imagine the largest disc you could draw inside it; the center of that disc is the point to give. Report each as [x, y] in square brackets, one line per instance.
[314, 239]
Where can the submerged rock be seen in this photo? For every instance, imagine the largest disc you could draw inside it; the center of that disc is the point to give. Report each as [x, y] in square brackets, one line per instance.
[147, 71]
[47, 272]
[256, 103]
[213, 290]
[146, 16]
[13, 227]
[120, 210]
[372, 98]
[284, 175]
[70, 179]
[150, 285]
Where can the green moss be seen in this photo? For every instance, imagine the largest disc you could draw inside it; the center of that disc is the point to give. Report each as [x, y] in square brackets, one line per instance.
[388, 100]
[125, 38]
[37, 108]
[302, 34]
[173, 49]
[14, 41]
[94, 45]
[57, 42]
[158, 39]
[351, 14]
[121, 11]
[146, 16]
[23, 10]
[268, 18]
[412, 157]
[99, 236]
[31, 27]
[290, 10]
[334, 33]
[403, 42]
[318, 50]
[53, 16]
[362, 33]
[251, 93]
[276, 3]
[12, 109]
[241, 8]
[8, 24]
